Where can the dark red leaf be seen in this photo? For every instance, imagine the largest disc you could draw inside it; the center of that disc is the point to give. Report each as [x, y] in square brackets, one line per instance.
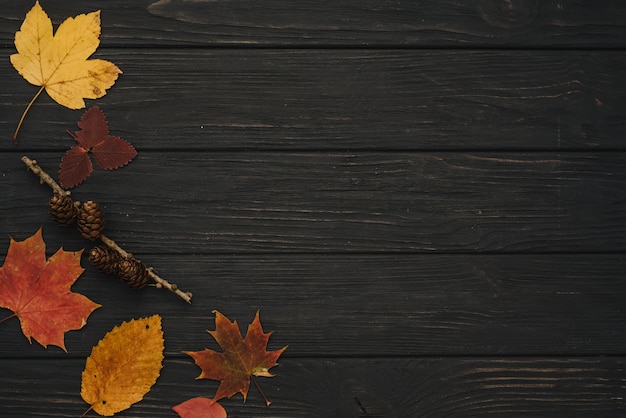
[240, 357]
[75, 167]
[113, 153]
[94, 128]
[110, 152]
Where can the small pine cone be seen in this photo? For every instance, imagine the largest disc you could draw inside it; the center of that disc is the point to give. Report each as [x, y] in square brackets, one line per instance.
[134, 273]
[105, 259]
[90, 220]
[62, 209]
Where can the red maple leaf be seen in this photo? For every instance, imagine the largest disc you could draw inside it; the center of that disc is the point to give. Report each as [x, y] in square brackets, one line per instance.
[110, 152]
[240, 359]
[38, 290]
[200, 408]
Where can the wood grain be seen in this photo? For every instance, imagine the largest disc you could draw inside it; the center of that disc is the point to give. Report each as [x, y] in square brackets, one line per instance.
[425, 200]
[369, 305]
[362, 23]
[340, 100]
[175, 202]
[329, 387]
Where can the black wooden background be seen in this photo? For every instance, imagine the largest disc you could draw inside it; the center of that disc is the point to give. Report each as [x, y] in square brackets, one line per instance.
[424, 199]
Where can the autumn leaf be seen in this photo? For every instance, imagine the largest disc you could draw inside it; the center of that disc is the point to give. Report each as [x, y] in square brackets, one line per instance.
[123, 366]
[240, 359]
[110, 152]
[58, 63]
[38, 291]
[200, 408]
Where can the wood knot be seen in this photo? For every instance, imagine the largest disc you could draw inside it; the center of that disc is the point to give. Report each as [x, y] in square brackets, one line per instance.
[509, 13]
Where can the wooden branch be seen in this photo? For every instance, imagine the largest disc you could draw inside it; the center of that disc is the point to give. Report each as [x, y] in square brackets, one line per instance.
[160, 282]
[113, 245]
[44, 177]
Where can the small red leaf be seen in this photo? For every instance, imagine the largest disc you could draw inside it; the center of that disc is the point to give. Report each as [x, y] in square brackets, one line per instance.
[110, 152]
[200, 408]
[94, 128]
[113, 152]
[75, 167]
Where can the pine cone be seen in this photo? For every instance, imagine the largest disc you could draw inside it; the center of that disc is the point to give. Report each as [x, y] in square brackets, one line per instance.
[90, 220]
[105, 259]
[134, 273]
[62, 209]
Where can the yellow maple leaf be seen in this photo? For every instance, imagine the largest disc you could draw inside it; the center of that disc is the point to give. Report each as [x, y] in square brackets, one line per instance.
[58, 63]
[123, 366]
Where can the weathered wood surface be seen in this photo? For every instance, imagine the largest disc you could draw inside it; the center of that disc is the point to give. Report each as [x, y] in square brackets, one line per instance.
[374, 202]
[337, 387]
[425, 200]
[442, 23]
[406, 305]
[299, 99]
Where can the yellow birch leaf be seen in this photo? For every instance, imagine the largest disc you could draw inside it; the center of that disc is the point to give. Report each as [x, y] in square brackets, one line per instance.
[123, 366]
[58, 63]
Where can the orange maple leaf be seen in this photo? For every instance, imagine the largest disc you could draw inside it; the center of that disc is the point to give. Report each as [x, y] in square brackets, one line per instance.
[58, 63]
[38, 290]
[240, 359]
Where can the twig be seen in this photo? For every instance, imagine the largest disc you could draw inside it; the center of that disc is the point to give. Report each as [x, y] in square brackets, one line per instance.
[160, 282]
[113, 245]
[45, 177]
[172, 287]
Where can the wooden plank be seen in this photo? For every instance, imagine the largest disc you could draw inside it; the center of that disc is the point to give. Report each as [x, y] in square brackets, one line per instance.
[362, 23]
[175, 202]
[344, 100]
[327, 387]
[368, 305]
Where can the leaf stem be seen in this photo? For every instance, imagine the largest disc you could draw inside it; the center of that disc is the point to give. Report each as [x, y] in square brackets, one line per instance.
[19, 124]
[267, 401]
[160, 282]
[8, 317]
[86, 412]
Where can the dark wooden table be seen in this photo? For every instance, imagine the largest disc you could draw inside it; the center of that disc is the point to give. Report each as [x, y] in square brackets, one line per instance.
[425, 200]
